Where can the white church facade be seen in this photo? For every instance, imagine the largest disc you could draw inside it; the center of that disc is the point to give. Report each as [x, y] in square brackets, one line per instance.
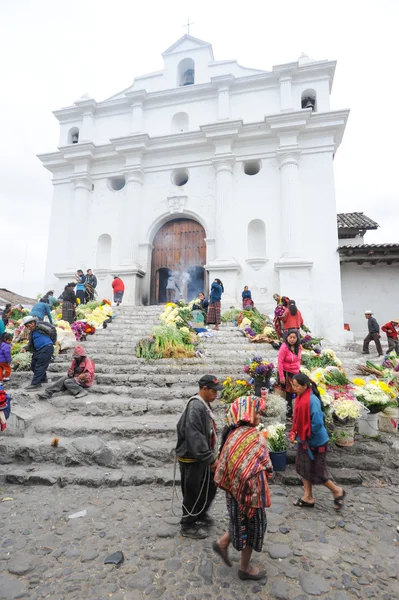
[205, 168]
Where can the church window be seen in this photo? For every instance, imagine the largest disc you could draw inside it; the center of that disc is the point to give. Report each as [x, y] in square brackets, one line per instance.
[251, 167]
[256, 239]
[186, 72]
[180, 122]
[116, 183]
[73, 135]
[180, 177]
[103, 258]
[309, 100]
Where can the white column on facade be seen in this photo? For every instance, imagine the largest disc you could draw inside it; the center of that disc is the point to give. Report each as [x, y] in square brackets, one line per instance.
[79, 220]
[86, 134]
[223, 84]
[130, 217]
[286, 102]
[224, 201]
[290, 203]
[137, 99]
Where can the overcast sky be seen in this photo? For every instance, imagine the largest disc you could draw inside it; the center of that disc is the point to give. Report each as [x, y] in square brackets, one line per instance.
[54, 51]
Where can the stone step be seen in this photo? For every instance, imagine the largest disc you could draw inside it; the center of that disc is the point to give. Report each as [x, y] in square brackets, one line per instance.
[150, 451]
[89, 450]
[117, 379]
[72, 425]
[96, 476]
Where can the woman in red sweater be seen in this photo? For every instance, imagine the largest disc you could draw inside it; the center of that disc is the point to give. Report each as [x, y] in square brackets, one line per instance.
[292, 318]
[289, 363]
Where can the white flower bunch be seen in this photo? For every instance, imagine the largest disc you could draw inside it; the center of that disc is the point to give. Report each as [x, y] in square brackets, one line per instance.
[346, 409]
[276, 440]
[276, 406]
[371, 393]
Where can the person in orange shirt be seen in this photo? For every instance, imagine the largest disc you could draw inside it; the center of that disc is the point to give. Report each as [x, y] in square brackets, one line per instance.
[292, 318]
[391, 329]
[119, 287]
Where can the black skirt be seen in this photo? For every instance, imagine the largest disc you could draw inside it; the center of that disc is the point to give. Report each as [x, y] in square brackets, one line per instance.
[315, 470]
[246, 531]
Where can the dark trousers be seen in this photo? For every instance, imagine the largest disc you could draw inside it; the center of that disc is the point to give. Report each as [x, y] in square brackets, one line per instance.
[81, 294]
[393, 344]
[369, 338]
[192, 476]
[40, 362]
[64, 383]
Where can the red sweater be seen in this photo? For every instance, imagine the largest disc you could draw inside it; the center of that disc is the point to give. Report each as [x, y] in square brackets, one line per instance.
[390, 330]
[288, 361]
[118, 285]
[292, 322]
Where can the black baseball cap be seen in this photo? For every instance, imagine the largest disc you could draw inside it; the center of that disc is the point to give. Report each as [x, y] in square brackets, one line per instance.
[210, 381]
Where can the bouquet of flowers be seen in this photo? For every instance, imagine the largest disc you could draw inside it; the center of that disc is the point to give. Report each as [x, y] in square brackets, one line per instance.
[235, 389]
[374, 398]
[326, 358]
[259, 369]
[79, 329]
[276, 439]
[345, 409]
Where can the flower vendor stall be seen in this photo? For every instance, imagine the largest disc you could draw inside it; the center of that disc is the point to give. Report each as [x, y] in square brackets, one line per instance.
[174, 338]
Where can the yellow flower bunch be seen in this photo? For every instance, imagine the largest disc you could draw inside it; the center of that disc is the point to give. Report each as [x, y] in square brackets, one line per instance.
[227, 381]
[358, 381]
[241, 382]
[387, 389]
[170, 304]
[321, 390]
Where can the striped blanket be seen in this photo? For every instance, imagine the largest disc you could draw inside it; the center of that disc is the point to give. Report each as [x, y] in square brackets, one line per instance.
[242, 469]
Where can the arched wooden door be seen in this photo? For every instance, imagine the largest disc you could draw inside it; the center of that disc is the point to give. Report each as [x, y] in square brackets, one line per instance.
[179, 248]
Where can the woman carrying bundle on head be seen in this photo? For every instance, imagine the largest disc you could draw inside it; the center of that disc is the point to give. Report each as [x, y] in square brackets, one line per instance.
[214, 310]
[242, 471]
[292, 318]
[289, 363]
[310, 433]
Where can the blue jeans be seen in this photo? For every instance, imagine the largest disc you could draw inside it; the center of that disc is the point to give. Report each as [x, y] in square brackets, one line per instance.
[40, 362]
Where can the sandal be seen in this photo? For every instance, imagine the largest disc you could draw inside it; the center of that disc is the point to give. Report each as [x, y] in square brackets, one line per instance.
[223, 553]
[339, 501]
[303, 504]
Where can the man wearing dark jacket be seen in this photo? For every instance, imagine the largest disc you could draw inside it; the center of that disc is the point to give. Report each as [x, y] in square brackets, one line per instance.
[91, 279]
[196, 452]
[42, 337]
[374, 334]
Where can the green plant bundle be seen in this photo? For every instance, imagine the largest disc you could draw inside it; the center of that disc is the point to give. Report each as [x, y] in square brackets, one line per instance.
[336, 378]
[315, 361]
[231, 315]
[258, 321]
[21, 361]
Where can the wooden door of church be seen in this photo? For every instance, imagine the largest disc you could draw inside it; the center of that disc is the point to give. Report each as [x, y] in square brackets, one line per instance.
[179, 248]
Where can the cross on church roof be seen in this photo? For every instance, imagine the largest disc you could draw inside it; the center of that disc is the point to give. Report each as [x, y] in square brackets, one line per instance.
[188, 25]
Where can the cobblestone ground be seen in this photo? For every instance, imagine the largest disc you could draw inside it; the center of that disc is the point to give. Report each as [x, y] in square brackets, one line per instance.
[307, 553]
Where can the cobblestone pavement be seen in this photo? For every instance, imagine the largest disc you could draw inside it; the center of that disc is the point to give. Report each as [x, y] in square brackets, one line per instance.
[307, 553]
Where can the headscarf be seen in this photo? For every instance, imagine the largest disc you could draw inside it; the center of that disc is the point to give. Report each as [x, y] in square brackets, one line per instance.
[244, 410]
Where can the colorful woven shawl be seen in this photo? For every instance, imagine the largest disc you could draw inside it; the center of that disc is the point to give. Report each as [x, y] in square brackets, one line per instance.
[241, 469]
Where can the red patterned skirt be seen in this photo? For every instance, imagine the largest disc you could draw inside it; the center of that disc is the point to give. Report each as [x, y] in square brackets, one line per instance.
[213, 317]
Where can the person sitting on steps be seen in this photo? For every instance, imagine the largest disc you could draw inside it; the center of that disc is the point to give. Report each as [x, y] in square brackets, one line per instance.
[79, 378]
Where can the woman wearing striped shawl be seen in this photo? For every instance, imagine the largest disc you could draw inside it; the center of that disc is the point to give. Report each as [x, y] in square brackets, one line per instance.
[242, 471]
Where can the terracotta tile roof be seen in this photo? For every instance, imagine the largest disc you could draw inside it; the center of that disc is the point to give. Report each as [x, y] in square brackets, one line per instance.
[355, 220]
[7, 296]
[369, 247]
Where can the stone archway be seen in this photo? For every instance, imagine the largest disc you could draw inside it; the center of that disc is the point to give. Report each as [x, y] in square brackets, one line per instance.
[179, 247]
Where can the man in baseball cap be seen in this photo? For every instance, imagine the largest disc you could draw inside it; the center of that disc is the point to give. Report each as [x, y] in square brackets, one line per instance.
[196, 452]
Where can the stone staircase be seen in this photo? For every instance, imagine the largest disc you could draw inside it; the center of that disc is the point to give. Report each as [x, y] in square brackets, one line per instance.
[123, 433]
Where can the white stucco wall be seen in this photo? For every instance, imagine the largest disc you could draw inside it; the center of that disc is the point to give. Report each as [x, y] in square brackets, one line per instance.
[369, 287]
